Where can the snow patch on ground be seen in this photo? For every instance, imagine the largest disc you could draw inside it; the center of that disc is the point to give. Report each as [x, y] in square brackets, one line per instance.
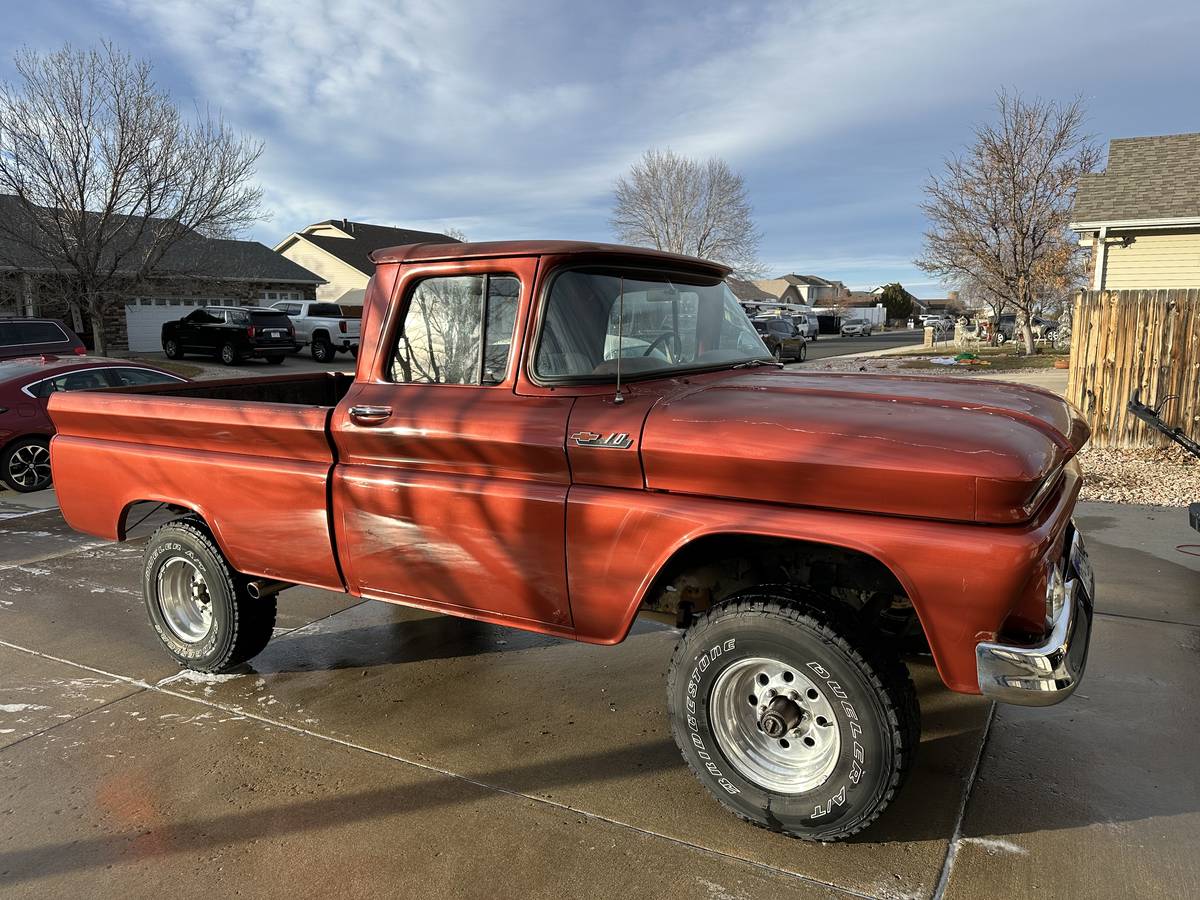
[995, 846]
[187, 676]
[20, 707]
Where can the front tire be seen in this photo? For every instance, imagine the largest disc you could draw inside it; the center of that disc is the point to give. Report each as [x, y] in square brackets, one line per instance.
[25, 465]
[198, 605]
[172, 349]
[803, 353]
[793, 717]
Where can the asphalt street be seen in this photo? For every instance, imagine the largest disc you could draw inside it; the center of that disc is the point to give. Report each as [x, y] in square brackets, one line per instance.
[834, 345]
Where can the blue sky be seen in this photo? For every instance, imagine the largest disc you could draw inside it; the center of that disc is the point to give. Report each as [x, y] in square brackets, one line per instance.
[512, 120]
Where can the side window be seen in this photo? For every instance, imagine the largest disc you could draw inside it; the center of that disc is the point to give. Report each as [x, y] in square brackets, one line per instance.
[127, 377]
[457, 330]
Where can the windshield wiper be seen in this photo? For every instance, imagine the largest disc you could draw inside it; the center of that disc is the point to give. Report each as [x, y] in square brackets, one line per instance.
[756, 362]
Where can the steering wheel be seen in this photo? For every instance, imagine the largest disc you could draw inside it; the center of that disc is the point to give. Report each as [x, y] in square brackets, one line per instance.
[660, 339]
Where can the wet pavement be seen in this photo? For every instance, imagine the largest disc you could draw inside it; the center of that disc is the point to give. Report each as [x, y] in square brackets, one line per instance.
[376, 750]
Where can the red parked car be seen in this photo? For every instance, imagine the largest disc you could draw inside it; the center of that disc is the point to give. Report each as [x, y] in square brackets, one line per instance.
[26, 384]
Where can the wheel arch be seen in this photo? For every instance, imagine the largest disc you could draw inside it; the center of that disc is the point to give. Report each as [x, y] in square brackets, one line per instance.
[707, 568]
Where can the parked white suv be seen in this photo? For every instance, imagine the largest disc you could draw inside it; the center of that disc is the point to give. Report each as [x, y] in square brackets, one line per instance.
[325, 327]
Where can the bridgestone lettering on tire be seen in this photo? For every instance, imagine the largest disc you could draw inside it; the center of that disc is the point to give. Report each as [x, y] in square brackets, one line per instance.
[849, 702]
[238, 626]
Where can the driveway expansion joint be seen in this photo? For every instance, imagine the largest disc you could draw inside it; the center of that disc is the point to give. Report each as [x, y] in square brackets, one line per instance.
[956, 837]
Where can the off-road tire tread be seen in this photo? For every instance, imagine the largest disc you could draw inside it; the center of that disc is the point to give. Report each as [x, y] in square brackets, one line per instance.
[253, 621]
[882, 667]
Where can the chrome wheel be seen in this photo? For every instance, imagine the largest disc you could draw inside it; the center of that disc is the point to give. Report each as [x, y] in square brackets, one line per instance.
[183, 600]
[29, 466]
[775, 726]
[228, 355]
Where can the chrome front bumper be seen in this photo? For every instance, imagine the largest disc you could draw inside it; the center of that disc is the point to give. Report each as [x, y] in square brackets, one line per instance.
[1049, 672]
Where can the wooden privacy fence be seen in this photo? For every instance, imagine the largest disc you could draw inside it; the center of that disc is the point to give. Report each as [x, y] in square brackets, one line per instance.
[1122, 341]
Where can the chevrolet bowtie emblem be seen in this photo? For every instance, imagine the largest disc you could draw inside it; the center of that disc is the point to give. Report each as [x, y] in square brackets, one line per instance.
[619, 441]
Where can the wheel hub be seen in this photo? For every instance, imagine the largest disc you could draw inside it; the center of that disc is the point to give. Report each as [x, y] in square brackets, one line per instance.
[782, 715]
[775, 725]
[183, 600]
[29, 465]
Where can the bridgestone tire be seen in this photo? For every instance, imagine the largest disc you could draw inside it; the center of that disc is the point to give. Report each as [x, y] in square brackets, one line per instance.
[240, 625]
[867, 688]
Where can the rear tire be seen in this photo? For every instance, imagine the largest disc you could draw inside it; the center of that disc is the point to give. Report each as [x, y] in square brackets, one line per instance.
[275, 359]
[847, 721]
[229, 354]
[198, 605]
[25, 465]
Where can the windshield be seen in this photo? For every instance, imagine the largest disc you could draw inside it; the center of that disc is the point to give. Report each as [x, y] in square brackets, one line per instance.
[655, 322]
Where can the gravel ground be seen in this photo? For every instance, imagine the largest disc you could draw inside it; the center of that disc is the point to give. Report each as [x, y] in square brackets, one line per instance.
[890, 365]
[1168, 477]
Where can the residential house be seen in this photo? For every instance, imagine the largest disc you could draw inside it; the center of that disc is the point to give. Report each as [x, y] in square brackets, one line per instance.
[1141, 215]
[340, 251]
[811, 290]
[195, 271]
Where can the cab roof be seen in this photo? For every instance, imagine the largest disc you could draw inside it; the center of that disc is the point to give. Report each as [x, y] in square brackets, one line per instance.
[416, 253]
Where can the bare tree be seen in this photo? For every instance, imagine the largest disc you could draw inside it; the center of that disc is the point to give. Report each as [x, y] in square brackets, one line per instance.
[691, 206]
[107, 176]
[998, 214]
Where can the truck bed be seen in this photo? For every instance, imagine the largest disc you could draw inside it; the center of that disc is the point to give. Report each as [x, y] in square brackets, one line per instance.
[251, 456]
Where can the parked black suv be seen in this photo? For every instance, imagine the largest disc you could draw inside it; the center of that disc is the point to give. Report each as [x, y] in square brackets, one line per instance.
[231, 333]
[782, 337]
[32, 337]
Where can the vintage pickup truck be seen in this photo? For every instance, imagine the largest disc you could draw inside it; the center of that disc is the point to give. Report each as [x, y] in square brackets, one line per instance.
[561, 436]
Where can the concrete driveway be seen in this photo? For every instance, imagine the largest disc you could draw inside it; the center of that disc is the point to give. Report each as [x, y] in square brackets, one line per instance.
[377, 751]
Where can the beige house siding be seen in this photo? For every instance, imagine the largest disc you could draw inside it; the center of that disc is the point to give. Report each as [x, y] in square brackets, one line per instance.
[339, 277]
[1153, 260]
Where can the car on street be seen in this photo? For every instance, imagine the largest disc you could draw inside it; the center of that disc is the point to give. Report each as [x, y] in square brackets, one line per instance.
[26, 384]
[502, 453]
[782, 337]
[1007, 327]
[325, 328]
[27, 336]
[856, 327]
[231, 334]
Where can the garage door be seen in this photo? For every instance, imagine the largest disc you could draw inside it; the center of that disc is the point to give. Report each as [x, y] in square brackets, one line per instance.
[144, 319]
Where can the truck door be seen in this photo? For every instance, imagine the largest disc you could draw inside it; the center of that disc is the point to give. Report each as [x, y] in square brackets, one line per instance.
[451, 489]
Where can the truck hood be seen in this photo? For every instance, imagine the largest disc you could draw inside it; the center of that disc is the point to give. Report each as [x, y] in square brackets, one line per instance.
[943, 448]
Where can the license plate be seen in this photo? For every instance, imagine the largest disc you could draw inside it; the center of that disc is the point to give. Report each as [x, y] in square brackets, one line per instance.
[275, 334]
[1083, 566]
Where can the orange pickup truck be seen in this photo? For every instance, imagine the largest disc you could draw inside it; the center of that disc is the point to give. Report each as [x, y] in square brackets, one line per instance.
[561, 436]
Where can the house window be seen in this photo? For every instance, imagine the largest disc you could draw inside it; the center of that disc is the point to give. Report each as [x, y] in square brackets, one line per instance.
[271, 296]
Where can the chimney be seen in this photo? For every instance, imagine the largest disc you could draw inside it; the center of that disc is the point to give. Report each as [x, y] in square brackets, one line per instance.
[346, 226]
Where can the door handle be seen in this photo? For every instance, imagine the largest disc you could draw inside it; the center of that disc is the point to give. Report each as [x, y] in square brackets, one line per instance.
[369, 415]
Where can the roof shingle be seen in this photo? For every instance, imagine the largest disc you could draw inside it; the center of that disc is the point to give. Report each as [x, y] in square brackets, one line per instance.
[368, 238]
[1146, 178]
